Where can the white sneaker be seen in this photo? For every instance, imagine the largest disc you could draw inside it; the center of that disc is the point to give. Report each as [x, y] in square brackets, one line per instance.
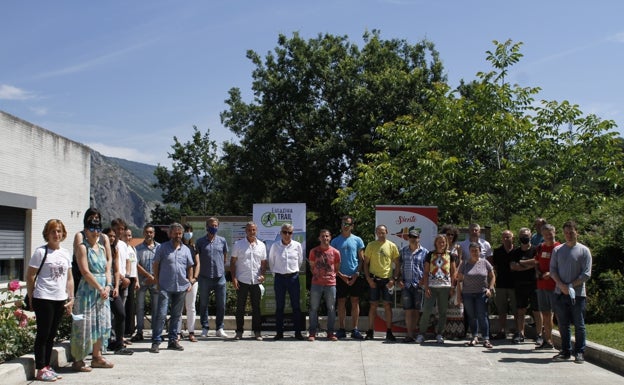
[420, 339]
[221, 333]
[204, 332]
[440, 339]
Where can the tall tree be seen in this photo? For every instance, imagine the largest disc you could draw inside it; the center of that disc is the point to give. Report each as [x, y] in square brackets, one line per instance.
[191, 185]
[485, 152]
[315, 109]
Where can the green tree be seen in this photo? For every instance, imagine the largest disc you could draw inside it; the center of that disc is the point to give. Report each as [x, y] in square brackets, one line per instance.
[486, 153]
[191, 185]
[316, 105]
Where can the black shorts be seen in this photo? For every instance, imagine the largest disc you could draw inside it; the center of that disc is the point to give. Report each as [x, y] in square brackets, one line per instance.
[525, 294]
[356, 290]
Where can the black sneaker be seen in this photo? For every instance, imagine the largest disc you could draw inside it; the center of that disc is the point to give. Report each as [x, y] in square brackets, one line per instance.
[175, 345]
[124, 352]
[545, 346]
[299, 336]
[390, 336]
[278, 336]
[518, 338]
[341, 333]
[562, 356]
[579, 358]
[137, 337]
[370, 334]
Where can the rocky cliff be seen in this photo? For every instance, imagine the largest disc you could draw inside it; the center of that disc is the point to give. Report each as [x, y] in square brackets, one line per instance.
[123, 189]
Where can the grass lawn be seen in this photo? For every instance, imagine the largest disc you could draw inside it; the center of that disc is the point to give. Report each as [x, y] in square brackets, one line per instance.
[611, 335]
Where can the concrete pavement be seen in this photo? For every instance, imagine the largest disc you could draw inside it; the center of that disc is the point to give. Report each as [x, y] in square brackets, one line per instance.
[216, 361]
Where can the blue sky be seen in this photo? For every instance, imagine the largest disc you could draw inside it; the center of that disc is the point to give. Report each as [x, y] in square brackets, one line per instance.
[124, 77]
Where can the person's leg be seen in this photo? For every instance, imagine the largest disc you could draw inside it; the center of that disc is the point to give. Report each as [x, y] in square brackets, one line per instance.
[191, 311]
[481, 304]
[280, 287]
[502, 307]
[341, 294]
[204, 295]
[294, 293]
[44, 313]
[158, 318]
[564, 319]
[330, 302]
[241, 302]
[407, 299]
[118, 312]
[315, 301]
[140, 309]
[470, 309]
[220, 297]
[425, 318]
[57, 314]
[256, 317]
[130, 308]
[177, 304]
[578, 316]
[442, 299]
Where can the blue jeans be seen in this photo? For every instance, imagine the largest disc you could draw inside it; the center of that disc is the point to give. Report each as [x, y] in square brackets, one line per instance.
[140, 310]
[329, 292]
[571, 313]
[475, 306]
[206, 285]
[177, 302]
[290, 284]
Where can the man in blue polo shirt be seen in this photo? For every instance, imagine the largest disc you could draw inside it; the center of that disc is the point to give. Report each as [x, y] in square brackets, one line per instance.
[213, 250]
[173, 264]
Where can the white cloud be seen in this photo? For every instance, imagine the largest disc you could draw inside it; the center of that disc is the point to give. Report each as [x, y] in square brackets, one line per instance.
[618, 37]
[41, 111]
[8, 92]
[124, 153]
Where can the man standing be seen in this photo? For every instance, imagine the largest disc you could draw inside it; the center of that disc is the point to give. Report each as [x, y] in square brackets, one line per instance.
[411, 261]
[545, 284]
[537, 238]
[505, 298]
[474, 235]
[349, 283]
[173, 269]
[248, 266]
[213, 250]
[285, 259]
[570, 267]
[378, 258]
[523, 268]
[145, 258]
[324, 263]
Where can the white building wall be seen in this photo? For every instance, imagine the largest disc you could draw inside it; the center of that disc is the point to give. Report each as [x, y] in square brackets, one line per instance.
[37, 162]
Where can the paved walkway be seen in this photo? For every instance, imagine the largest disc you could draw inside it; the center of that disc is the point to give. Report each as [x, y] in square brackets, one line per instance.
[216, 361]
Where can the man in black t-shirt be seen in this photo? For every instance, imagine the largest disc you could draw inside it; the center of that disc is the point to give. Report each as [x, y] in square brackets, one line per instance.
[523, 267]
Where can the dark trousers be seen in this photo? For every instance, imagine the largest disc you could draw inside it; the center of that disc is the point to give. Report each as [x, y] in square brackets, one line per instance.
[118, 312]
[287, 283]
[48, 315]
[131, 308]
[244, 291]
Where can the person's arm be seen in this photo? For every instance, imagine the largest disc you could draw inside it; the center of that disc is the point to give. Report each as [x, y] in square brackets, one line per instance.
[31, 273]
[263, 266]
[69, 288]
[426, 280]
[156, 270]
[271, 259]
[195, 269]
[460, 279]
[491, 283]
[233, 271]
[453, 277]
[369, 279]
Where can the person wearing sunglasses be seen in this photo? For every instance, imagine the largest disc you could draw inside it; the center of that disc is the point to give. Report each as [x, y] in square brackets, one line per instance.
[285, 260]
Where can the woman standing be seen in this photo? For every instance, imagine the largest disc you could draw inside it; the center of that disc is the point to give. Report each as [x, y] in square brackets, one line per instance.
[437, 284]
[478, 280]
[91, 327]
[50, 291]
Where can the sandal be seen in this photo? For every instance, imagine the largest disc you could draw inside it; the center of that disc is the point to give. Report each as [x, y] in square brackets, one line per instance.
[192, 337]
[80, 366]
[101, 363]
[473, 342]
[487, 344]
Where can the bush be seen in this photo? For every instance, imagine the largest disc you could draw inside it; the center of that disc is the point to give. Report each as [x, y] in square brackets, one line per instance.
[605, 298]
[17, 329]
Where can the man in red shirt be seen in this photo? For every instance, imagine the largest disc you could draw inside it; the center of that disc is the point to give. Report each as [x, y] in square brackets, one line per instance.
[545, 284]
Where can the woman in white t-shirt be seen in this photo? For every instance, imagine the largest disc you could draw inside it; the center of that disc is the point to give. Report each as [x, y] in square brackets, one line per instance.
[50, 291]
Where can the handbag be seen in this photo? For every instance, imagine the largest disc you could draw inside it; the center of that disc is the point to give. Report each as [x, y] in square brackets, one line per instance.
[26, 301]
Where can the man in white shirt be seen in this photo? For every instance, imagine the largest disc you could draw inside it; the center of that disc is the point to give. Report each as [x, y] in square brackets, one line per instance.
[285, 259]
[248, 266]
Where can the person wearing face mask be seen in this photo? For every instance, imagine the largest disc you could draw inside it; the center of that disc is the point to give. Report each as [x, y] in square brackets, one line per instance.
[191, 295]
[505, 297]
[212, 250]
[523, 268]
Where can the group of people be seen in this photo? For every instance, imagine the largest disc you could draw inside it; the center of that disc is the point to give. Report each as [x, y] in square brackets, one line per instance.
[108, 274]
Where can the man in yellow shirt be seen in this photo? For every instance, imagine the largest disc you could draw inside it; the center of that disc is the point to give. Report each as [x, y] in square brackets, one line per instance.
[378, 258]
